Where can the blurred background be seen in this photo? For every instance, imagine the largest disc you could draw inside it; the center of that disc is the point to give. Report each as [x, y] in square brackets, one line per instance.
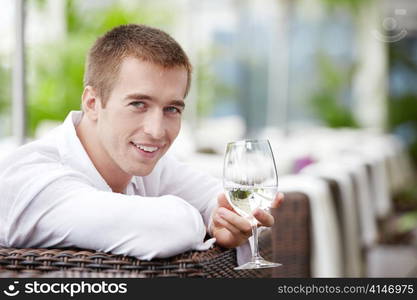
[332, 85]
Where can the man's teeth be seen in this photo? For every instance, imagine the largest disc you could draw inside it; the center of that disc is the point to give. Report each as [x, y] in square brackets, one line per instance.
[146, 148]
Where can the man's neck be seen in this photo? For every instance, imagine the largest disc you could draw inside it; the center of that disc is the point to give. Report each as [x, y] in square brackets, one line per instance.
[112, 174]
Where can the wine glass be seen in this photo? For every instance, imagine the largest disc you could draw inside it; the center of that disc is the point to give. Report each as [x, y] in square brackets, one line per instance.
[250, 180]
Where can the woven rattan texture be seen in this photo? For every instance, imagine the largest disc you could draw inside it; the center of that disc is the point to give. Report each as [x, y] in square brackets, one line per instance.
[216, 262]
[291, 237]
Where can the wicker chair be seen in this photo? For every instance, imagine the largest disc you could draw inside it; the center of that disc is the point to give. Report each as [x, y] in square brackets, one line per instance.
[287, 242]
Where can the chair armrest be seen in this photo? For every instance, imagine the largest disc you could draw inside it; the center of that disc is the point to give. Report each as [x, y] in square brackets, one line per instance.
[216, 262]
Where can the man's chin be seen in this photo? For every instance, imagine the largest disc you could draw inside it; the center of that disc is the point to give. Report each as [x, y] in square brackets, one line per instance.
[143, 171]
[141, 167]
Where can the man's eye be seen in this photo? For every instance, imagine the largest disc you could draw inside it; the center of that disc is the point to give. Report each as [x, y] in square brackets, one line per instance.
[173, 109]
[137, 104]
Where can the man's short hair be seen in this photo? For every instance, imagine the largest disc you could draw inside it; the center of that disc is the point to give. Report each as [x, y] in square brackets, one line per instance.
[132, 40]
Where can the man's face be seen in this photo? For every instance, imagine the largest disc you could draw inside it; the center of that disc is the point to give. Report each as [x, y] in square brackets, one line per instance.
[142, 116]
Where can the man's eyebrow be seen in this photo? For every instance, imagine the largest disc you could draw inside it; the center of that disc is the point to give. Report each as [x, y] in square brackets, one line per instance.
[179, 103]
[137, 96]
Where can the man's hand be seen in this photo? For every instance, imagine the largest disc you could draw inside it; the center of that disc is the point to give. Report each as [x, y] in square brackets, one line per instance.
[232, 230]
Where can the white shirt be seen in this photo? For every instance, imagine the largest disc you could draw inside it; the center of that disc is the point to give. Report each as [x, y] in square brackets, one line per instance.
[53, 196]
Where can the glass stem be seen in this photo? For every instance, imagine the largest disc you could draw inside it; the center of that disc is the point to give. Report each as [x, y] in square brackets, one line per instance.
[256, 255]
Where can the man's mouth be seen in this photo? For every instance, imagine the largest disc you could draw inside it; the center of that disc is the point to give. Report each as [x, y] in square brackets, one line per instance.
[146, 148]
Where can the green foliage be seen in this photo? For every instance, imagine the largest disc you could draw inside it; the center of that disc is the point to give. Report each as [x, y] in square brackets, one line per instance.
[408, 221]
[353, 5]
[209, 88]
[402, 108]
[406, 198]
[57, 88]
[57, 69]
[98, 21]
[39, 3]
[206, 96]
[403, 114]
[326, 102]
[5, 92]
[333, 114]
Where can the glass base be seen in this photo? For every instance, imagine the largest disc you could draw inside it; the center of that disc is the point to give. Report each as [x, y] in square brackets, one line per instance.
[258, 263]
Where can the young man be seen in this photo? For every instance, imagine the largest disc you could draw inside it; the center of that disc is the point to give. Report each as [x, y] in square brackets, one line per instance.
[102, 180]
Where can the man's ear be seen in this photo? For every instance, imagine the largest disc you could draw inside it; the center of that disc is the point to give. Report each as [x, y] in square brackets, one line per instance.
[90, 103]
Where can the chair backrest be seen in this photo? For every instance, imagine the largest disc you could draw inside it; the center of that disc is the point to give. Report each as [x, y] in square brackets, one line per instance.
[291, 237]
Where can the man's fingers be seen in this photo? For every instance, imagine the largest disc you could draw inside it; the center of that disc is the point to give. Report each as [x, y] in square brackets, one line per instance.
[263, 217]
[231, 229]
[242, 224]
[222, 202]
[277, 201]
[221, 222]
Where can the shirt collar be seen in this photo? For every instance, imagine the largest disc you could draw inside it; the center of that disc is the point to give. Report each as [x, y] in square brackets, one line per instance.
[74, 154]
[134, 181]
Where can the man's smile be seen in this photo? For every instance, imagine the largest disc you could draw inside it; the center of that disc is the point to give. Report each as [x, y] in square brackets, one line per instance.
[147, 150]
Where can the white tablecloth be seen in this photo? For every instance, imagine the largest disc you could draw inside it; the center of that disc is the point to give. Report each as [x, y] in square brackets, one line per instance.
[349, 210]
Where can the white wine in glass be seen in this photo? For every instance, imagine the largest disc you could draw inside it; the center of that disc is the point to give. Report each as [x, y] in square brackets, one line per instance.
[250, 180]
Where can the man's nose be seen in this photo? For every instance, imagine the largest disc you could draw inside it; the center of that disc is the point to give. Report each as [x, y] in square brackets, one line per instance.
[154, 125]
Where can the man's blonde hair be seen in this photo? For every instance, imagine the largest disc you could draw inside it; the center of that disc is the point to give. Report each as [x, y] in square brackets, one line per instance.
[132, 40]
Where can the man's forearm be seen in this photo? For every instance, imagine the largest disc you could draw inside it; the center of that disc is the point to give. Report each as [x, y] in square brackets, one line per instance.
[130, 225]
